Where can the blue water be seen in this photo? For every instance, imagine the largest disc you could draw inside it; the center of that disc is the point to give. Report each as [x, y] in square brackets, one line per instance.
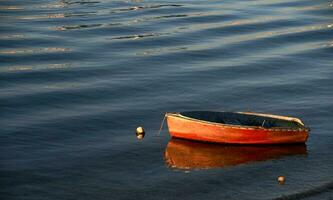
[77, 77]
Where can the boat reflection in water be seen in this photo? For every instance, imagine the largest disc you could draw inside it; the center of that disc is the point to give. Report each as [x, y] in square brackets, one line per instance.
[184, 154]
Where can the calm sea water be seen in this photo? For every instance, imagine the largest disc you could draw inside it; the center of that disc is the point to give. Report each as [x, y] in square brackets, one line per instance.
[77, 77]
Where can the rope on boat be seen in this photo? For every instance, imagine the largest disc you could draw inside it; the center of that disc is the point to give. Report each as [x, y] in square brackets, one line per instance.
[263, 123]
[161, 127]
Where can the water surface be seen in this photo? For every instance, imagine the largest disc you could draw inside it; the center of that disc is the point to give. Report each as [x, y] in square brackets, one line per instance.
[77, 77]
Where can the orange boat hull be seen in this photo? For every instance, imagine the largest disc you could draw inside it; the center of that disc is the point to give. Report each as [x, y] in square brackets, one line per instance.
[187, 128]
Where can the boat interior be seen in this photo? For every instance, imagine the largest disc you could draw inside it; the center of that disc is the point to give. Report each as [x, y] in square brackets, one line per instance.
[242, 119]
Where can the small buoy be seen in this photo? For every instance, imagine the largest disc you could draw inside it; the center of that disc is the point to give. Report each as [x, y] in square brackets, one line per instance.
[140, 133]
[281, 180]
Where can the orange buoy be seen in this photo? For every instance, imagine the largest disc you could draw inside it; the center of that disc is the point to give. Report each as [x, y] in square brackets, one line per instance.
[281, 180]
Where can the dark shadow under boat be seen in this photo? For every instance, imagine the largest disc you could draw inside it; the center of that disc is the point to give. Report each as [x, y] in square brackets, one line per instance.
[190, 155]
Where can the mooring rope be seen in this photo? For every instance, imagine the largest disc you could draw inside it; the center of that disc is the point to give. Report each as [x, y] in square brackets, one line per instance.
[161, 127]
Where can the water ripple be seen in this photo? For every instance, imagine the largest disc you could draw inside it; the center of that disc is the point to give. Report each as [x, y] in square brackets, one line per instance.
[145, 7]
[35, 50]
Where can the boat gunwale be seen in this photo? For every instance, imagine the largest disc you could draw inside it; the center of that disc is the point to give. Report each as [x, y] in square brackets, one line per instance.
[244, 126]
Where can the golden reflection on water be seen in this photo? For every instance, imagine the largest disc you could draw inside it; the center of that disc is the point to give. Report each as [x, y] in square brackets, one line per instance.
[34, 51]
[10, 8]
[47, 16]
[35, 67]
[151, 52]
[60, 4]
[189, 155]
[14, 36]
[56, 15]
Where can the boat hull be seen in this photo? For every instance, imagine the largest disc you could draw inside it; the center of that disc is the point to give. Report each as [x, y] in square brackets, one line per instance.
[192, 129]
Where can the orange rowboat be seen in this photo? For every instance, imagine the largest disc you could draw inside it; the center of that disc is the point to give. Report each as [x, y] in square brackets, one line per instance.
[236, 127]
